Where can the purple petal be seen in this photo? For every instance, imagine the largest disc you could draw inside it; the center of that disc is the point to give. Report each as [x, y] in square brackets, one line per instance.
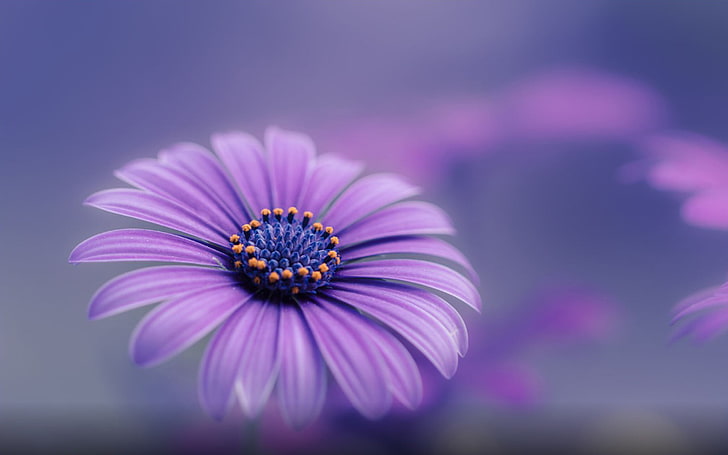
[421, 300]
[152, 284]
[176, 185]
[405, 381]
[243, 157]
[406, 218]
[366, 196]
[705, 326]
[701, 300]
[291, 156]
[145, 245]
[175, 325]
[202, 166]
[415, 245]
[259, 361]
[349, 354]
[302, 377]
[415, 325]
[328, 179]
[707, 209]
[235, 343]
[156, 209]
[429, 274]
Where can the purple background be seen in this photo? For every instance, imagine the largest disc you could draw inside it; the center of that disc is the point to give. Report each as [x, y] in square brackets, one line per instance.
[86, 86]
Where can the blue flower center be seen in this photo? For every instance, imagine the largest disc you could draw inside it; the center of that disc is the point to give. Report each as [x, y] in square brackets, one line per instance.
[281, 253]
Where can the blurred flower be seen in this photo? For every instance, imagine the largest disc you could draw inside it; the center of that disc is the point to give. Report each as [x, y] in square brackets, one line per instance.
[564, 104]
[498, 369]
[703, 315]
[292, 298]
[691, 165]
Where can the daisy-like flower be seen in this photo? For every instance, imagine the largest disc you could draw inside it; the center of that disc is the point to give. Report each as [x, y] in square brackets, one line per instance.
[298, 267]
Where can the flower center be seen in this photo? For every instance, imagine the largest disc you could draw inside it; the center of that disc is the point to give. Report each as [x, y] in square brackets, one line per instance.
[284, 254]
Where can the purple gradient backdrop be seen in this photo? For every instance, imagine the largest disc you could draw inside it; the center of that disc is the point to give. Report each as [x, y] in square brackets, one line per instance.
[87, 86]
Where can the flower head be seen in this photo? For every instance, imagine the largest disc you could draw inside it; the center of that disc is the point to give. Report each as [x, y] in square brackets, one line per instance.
[298, 266]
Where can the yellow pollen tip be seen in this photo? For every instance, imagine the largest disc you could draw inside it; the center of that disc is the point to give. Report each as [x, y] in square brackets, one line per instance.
[334, 240]
[324, 268]
[329, 230]
[318, 226]
[278, 212]
[255, 224]
[238, 248]
[292, 210]
[238, 264]
[246, 228]
[265, 212]
[250, 249]
[261, 264]
[287, 274]
[332, 254]
[295, 290]
[253, 262]
[338, 260]
[316, 276]
[256, 280]
[235, 238]
[303, 271]
[273, 277]
[307, 215]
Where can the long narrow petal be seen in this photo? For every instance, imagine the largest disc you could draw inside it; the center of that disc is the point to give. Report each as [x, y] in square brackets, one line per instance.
[424, 273]
[152, 284]
[416, 300]
[405, 381]
[259, 360]
[155, 209]
[366, 196]
[175, 325]
[699, 301]
[406, 218]
[353, 361]
[145, 245]
[202, 166]
[229, 348]
[429, 246]
[302, 378]
[705, 326]
[291, 155]
[244, 159]
[328, 179]
[178, 186]
[418, 327]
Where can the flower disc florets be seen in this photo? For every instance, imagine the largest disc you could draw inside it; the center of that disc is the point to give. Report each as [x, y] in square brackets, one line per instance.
[283, 254]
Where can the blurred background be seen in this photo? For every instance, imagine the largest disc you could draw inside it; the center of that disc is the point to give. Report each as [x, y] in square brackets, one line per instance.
[518, 118]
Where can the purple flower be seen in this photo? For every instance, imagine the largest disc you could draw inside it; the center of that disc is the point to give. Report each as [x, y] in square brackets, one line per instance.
[703, 315]
[694, 166]
[294, 293]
